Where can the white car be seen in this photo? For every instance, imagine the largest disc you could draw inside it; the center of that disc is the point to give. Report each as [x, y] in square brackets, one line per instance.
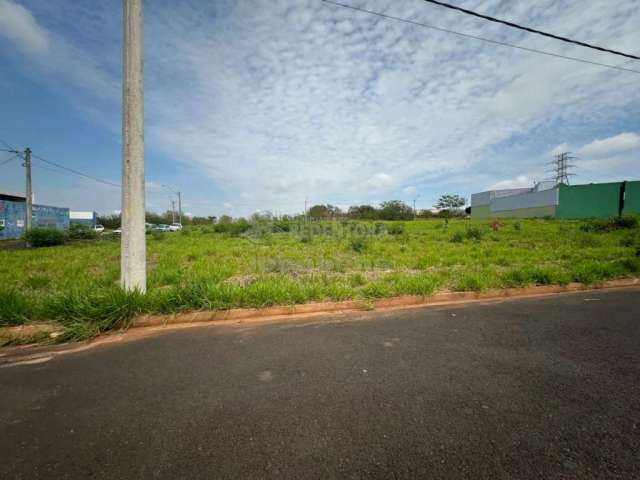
[174, 227]
[98, 228]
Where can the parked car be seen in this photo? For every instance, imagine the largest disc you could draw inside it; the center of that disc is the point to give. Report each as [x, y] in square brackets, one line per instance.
[117, 231]
[174, 227]
[161, 228]
[98, 228]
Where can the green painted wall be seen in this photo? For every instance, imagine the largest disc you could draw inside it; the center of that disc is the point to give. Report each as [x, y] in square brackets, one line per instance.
[584, 201]
[631, 198]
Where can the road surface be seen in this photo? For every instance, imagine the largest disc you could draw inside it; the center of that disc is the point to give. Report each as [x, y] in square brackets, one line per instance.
[535, 388]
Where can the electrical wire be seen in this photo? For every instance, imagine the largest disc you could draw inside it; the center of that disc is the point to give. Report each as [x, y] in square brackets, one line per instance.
[482, 39]
[10, 159]
[76, 172]
[531, 30]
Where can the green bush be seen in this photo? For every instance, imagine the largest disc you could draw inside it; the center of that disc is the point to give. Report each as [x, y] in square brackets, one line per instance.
[233, 229]
[281, 226]
[396, 229]
[602, 225]
[81, 232]
[359, 244]
[45, 237]
[457, 237]
[474, 233]
[517, 226]
[627, 241]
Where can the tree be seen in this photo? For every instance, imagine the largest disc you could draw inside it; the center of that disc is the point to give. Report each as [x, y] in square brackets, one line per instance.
[109, 221]
[450, 203]
[363, 212]
[395, 210]
[320, 212]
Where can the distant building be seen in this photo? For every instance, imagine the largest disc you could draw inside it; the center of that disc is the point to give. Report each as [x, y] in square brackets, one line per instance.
[88, 219]
[13, 213]
[559, 201]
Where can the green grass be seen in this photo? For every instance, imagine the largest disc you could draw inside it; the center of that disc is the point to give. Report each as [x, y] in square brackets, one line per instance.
[77, 284]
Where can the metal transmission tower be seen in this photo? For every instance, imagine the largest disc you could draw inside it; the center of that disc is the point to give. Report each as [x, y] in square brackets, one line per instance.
[562, 168]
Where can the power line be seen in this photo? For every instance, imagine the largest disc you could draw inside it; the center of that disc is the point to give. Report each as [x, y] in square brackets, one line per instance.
[10, 159]
[482, 39]
[10, 147]
[76, 172]
[531, 30]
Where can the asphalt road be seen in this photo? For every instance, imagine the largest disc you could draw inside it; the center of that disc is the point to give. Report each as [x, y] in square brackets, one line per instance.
[539, 388]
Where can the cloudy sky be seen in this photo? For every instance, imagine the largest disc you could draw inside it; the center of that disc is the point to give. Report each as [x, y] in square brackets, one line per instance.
[257, 105]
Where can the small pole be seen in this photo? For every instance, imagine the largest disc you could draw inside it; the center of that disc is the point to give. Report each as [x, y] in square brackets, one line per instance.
[180, 207]
[29, 194]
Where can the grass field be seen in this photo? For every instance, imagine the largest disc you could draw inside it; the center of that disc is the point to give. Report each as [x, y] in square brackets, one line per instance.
[76, 284]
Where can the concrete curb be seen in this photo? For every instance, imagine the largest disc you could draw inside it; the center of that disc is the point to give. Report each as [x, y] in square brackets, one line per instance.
[406, 301]
[35, 332]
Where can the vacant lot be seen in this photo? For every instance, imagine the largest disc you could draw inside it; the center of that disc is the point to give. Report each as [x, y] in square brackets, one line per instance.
[270, 264]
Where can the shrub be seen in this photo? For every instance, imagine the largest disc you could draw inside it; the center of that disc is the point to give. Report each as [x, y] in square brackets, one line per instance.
[626, 221]
[517, 226]
[380, 228]
[357, 280]
[81, 232]
[234, 229]
[359, 244]
[281, 226]
[45, 237]
[396, 229]
[306, 238]
[631, 265]
[457, 237]
[609, 224]
[474, 233]
[627, 241]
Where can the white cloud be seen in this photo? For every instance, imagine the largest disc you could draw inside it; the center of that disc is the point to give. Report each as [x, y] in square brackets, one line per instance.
[379, 182]
[563, 147]
[409, 190]
[521, 181]
[18, 25]
[611, 146]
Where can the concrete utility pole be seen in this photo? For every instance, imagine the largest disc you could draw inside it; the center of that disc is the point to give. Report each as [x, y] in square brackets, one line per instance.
[133, 275]
[173, 211]
[28, 216]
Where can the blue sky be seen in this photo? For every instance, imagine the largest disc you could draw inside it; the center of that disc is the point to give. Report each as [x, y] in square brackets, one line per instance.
[256, 105]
